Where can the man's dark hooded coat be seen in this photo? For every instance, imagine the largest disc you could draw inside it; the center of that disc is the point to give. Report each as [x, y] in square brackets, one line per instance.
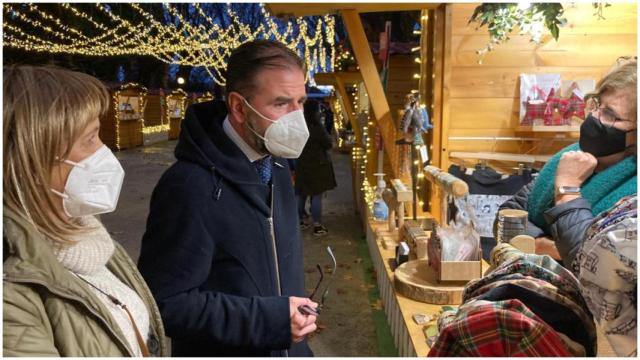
[209, 251]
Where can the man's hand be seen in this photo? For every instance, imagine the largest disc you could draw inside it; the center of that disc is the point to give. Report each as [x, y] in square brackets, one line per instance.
[546, 246]
[574, 168]
[301, 325]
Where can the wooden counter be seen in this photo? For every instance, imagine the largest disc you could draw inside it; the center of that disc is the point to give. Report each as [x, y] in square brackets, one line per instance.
[407, 335]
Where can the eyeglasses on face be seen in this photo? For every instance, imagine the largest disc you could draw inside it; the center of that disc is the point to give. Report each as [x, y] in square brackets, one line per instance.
[605, 115]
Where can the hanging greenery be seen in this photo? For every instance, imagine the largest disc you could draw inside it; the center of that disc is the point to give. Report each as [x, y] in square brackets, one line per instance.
[532, 19]
[600, 10]
[502, 18]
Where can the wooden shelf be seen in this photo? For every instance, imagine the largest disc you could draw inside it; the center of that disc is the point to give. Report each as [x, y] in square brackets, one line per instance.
[525, 158]
[549, 129]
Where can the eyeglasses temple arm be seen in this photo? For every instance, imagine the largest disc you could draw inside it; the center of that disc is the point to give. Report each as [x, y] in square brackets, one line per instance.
[319, 281]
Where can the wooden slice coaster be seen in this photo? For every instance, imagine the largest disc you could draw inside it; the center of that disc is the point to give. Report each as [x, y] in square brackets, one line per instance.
[418, 281]
[524, 243]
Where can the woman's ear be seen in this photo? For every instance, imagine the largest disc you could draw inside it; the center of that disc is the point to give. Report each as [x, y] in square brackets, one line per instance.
[237, 110]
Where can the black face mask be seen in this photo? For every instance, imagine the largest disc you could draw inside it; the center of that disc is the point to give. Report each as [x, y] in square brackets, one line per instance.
[599, 140]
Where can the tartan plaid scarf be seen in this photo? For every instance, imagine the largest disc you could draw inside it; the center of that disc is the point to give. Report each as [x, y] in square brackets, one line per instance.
[502, 328]
[601, 190]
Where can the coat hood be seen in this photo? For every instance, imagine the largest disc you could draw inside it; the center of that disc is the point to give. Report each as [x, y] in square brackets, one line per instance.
[203, 141]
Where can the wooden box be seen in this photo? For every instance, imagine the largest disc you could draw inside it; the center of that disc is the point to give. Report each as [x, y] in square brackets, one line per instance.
[460, 270]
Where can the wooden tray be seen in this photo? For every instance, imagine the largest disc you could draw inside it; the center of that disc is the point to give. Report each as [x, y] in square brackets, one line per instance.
[418, 281]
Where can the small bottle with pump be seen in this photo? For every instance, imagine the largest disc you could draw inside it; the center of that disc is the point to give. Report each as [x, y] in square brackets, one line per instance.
[380, 208]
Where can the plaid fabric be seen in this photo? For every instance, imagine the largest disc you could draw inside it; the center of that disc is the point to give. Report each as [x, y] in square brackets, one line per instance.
[556, 110]
[506, 260]
[545, 289]
[502, 328]
[533, 112]
[577, 107]
[558, 316]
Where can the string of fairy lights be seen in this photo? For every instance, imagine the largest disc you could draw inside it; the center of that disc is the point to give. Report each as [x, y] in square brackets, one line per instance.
[209, 44]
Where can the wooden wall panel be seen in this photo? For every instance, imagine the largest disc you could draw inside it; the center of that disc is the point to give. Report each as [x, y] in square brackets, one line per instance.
[483, 96]
[503, 58]
[503, 82]
[619, 19]
[480, 113]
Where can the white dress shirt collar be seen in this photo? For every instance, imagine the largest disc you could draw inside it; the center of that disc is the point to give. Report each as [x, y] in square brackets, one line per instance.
[249, 152]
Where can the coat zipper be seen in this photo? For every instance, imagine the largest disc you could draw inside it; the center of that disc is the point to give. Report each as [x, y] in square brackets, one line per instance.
[275, 250]
[76, 298]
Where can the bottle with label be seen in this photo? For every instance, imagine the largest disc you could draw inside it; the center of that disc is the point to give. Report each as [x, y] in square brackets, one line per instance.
[380, 208]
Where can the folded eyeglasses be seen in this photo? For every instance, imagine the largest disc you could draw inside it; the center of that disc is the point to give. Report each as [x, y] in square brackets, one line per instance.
[308, 310]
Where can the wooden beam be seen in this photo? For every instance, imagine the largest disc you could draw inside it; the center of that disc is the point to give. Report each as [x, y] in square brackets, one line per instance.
[446, 80]
[285, 10]
[437, 104]
[372, 83]
[346, 103]
[348, 77]
[426, 86]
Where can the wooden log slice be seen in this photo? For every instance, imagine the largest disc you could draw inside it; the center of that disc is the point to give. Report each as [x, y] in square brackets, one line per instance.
[418, 281]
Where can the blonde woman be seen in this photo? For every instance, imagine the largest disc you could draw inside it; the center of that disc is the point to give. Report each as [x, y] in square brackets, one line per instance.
[69, 289]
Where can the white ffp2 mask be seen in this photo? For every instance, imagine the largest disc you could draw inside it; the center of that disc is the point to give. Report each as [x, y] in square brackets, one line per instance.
[94, 184]
[286, 136]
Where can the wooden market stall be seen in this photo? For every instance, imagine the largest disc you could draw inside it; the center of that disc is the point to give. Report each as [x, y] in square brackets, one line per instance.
[175, 108]
[122, 126]
[156, 127]
[482, 98]
[474, 105]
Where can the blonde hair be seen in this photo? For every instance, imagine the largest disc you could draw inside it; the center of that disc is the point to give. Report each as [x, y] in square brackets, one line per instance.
[622, 76]
[45, 110]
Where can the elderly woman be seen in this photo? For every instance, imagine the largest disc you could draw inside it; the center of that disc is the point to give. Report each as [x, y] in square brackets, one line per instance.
[69, 289]
[585, 200]
[585, 179]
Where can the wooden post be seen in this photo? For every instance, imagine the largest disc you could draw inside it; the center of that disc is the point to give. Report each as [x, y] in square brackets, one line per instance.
[346, 102]
[439, 39]
[446, 80]
[362, 52]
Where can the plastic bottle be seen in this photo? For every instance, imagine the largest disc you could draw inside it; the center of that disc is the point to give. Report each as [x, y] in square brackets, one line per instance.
[380, 208]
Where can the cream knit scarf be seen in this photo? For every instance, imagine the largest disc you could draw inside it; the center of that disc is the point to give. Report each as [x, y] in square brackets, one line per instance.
[88, 258]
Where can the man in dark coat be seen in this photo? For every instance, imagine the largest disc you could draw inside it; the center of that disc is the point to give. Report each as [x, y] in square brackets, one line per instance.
[314, 169]
[222, 253]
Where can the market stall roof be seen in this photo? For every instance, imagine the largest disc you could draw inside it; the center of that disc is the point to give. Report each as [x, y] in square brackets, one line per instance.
[309, 9]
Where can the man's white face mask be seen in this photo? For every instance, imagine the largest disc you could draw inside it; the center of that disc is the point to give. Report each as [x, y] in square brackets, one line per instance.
[286, 136]
[93, 185]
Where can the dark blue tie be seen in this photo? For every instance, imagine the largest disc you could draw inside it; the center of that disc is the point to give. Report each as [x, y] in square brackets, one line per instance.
[263, 167]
